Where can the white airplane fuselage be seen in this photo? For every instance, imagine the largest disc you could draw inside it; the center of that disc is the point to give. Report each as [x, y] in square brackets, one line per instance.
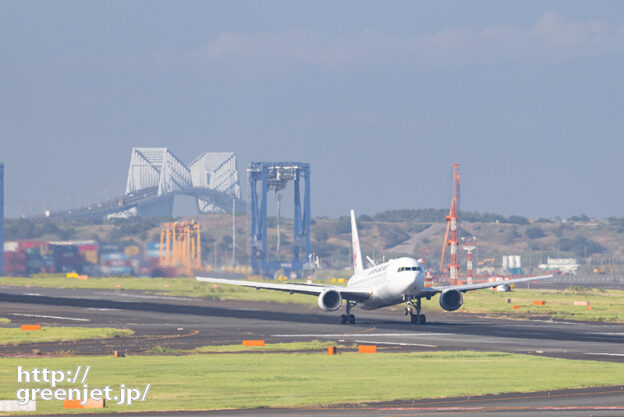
[389, 283]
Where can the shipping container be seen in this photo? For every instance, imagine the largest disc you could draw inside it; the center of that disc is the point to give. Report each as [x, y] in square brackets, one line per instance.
[118, 259]
[87, 246]
[90, 256]
[115, 270]
[40, 245]
[109, 249]
[34, 261]
[67, 258]
[11, 246]
[48, 264]
[114, 256]
[15, 263]
[152, 250]
[165, 271]
[132, 250]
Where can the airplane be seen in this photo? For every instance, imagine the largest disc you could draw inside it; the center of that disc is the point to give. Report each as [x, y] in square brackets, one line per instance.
[396, 281]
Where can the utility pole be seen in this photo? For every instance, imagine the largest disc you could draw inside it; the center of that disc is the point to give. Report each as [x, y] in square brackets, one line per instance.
[278, 198]
[233, 231]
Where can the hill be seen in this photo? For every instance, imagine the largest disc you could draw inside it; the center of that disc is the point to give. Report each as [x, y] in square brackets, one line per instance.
[417, 233]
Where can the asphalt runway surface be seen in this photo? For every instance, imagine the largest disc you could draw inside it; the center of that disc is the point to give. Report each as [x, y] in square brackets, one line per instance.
[184, 323]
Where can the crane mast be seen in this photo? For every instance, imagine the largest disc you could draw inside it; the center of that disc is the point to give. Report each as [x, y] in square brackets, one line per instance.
[452, 225]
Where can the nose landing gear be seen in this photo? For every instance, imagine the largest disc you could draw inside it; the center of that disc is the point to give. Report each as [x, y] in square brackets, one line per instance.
[415, 317]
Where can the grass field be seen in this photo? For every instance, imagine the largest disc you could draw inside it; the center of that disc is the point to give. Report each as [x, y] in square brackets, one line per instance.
[187, 286]
[11, 336]
[248, 380]
[271, 347]
[607, 305]
[4, 320]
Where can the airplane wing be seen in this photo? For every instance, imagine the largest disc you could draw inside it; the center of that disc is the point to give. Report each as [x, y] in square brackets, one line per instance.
[310, 289]
[479, 286]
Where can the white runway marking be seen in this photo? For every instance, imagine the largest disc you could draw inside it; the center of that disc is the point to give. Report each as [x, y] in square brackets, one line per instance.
[557, 322]
[158, 297]
[102, 309]
[395, 343]
[48, 317]
[33, 293]
[606, 354]
[609, 334]
[363, 335]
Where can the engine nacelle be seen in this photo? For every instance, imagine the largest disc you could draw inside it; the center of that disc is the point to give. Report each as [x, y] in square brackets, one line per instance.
[329, 300]
[451, 300]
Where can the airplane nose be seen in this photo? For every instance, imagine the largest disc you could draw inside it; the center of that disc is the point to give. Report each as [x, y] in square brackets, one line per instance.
[409, 280]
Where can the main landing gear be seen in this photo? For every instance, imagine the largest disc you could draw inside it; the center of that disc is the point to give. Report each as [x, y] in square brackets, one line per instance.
[415, 318]
[347, 318]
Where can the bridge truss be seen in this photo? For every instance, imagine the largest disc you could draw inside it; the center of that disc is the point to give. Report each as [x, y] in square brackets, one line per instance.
[156, 176]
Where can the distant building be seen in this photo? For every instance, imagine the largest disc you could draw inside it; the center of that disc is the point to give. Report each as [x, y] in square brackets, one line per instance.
[563, 265]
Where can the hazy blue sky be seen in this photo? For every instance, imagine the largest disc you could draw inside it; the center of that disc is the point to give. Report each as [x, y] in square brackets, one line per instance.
[380, 98]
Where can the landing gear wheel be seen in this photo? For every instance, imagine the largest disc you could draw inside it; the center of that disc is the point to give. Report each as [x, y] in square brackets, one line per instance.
[415, 317]
[351, 319]
[343, 319]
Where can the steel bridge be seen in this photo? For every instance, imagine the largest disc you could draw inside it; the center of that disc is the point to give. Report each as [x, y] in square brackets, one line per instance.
[156, 176]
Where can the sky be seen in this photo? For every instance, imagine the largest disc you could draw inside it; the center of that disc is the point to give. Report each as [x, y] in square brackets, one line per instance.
[379, 97]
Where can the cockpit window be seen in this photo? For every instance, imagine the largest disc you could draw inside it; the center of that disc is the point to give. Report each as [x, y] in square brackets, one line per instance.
[410, 268]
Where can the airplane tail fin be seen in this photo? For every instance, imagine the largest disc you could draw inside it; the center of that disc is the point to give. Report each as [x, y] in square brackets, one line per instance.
[357, 253]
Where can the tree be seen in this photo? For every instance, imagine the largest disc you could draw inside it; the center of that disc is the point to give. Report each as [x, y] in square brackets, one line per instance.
[518, 220]
[580, 245]
[344, 225]
[534, 232]
[321, 235]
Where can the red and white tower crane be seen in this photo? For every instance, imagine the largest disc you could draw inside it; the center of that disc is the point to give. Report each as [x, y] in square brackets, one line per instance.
[452, 224]
[469, 245]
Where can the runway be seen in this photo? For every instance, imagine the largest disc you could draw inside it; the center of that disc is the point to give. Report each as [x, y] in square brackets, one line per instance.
[184, 323]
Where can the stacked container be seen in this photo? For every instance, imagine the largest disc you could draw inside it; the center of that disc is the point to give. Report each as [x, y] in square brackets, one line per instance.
[115, 263]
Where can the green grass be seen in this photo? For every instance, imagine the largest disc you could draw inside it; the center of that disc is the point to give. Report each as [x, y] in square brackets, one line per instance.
[4, 320]
[12, 336]
[271, 347]
[187, 286]
[607, 305]
[248, 380]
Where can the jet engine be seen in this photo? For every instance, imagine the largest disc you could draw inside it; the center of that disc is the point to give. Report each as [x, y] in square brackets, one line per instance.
[329, 300]
[451, 300]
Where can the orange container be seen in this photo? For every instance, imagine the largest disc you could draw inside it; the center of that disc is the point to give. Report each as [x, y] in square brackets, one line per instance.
[31, 327]
[331, 350]
[516, 307]
[253, 342]
[367, 349]
[539, 303]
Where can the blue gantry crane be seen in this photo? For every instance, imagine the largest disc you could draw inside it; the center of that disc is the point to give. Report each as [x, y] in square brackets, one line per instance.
[276, 176]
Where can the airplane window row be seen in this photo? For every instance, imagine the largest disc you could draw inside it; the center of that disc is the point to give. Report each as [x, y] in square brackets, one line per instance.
[409, 268]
